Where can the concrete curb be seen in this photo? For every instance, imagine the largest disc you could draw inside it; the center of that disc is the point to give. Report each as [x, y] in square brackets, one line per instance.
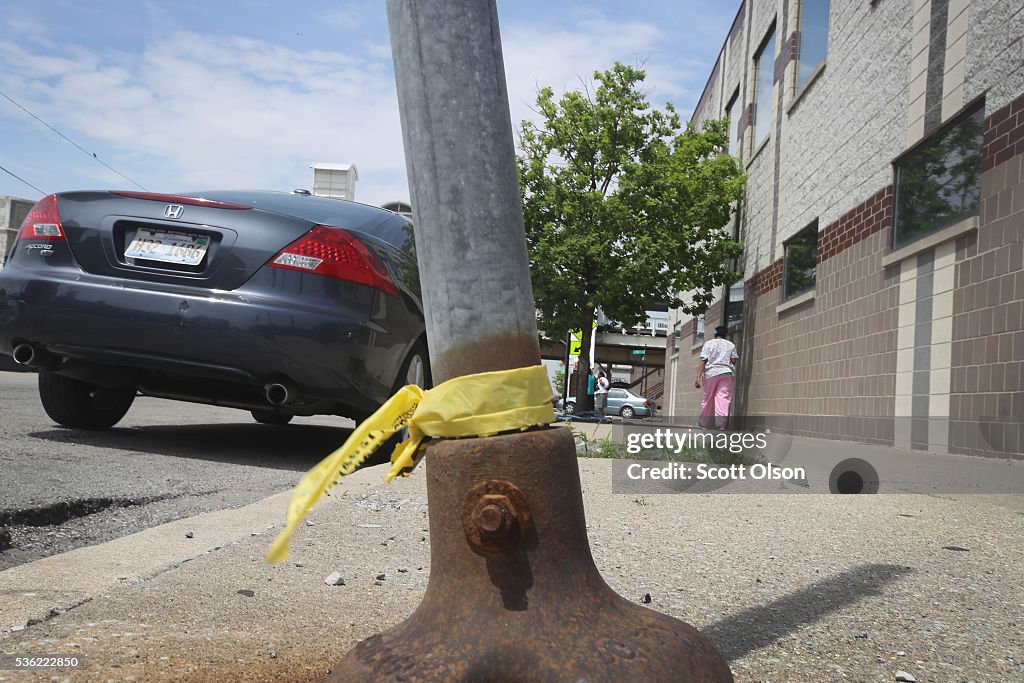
[40, 589]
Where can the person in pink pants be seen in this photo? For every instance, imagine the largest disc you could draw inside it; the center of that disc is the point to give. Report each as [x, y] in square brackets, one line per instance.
[715, 373]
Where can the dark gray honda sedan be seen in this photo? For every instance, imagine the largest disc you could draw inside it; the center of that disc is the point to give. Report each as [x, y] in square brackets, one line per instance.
[281, 304]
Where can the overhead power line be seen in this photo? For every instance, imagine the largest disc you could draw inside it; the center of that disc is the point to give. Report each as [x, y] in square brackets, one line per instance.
[16, 177]
[91, 155]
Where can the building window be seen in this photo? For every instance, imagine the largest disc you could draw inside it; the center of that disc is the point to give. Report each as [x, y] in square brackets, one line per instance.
[764, 70]
[734, 305]
[732, 112]
[698, 329]
[938, 183]
[801, 261]
[813, 38]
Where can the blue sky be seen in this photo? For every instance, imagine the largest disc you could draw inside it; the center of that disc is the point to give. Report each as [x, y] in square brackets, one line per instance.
[217, 94]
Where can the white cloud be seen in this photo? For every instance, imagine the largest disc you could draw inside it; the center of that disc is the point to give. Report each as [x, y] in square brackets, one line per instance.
[349, 15]
[196, 110]
[234, 112]
[539, 55]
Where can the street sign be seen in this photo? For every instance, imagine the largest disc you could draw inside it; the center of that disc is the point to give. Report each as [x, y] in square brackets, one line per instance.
[576, 341]
[576, 344]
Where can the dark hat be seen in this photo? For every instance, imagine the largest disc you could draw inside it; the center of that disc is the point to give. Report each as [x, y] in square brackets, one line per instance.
[721, 331]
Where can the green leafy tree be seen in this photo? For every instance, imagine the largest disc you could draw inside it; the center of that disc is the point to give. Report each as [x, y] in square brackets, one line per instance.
[623, 206]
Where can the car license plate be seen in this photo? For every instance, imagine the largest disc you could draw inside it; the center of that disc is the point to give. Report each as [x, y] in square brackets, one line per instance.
[169, 247]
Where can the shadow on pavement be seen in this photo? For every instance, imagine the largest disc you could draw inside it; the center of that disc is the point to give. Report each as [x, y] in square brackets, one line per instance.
[758, 627]
[291, 447]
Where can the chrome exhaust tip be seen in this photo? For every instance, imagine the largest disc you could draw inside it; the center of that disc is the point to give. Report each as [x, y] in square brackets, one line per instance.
[31, 356]
[24, 354]
[279, 394]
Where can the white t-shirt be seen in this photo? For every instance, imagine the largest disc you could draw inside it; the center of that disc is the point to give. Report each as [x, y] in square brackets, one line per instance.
[718, 353]
[602, 385]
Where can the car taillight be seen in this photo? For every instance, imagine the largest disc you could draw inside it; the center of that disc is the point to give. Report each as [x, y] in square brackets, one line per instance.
[43, 222]
[333, 252]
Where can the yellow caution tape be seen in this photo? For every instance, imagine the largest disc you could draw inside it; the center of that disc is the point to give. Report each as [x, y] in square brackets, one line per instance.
[472, 405]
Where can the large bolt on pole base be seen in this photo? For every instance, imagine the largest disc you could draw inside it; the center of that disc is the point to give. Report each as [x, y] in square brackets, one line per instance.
[514, 594]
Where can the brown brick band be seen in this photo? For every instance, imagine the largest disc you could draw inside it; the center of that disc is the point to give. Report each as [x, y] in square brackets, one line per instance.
[857, 224]
[1004, 135]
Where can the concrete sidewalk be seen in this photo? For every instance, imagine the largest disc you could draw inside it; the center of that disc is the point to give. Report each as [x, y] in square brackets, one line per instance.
[790, 587]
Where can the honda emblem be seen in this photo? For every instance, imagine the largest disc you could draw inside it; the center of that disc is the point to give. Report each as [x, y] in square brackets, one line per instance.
[173, 211]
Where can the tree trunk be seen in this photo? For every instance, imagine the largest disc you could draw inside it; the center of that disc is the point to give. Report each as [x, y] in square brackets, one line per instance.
[585, 401]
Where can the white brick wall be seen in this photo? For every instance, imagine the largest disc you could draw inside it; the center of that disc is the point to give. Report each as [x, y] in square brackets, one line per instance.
[761, 15]
[758, 207]
[735, 66]
[994, 63]
[840, 137]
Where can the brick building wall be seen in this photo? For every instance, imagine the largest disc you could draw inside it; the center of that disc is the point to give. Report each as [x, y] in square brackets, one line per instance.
[826, 366]
[920, 346]
[987, 392]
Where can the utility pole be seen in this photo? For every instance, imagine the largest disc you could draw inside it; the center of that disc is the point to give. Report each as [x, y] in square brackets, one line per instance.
[568, 369]
[513, 593]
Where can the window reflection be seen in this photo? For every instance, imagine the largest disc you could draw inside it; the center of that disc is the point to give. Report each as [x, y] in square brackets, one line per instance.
[732, 113]
[801, 261]
[734, 304]
[813, 38]
[939, 183]
[764, 63]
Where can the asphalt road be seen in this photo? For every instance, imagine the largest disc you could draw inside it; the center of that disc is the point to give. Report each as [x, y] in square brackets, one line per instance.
[62, 489]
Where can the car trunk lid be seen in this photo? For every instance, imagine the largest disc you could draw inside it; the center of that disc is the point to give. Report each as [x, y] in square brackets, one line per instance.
[172, 238]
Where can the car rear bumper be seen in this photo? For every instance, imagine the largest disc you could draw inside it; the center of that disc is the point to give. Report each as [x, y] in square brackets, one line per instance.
[230, 337]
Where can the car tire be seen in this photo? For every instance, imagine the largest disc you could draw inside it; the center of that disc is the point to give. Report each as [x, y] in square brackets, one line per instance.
[269, 417]
[415, 369]
[77, 404]
[570, 408]
[627, 412]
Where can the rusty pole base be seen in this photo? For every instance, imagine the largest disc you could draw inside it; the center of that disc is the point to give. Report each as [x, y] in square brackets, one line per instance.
[514, 594]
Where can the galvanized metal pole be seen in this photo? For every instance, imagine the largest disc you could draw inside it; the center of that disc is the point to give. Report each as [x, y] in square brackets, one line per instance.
[514, 594]
[460, 154]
